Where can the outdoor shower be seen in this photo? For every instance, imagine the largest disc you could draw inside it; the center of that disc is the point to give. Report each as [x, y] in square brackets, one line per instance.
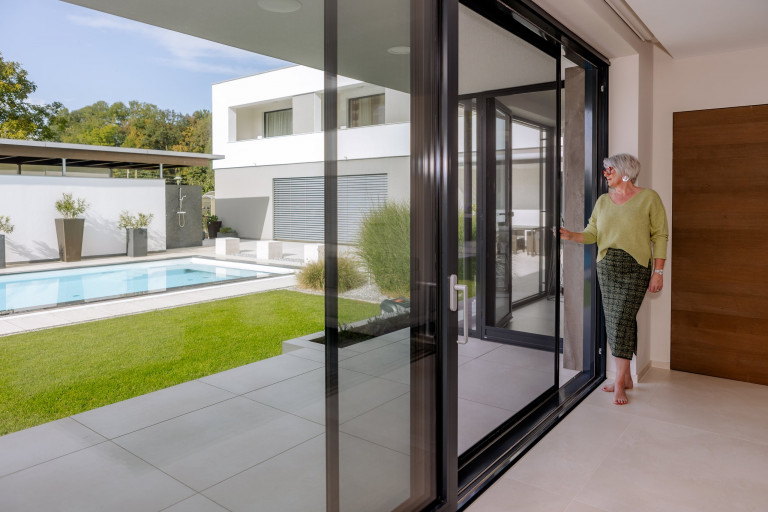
[180, 213]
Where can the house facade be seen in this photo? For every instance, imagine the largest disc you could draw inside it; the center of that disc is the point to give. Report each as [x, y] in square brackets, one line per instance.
[270, 128]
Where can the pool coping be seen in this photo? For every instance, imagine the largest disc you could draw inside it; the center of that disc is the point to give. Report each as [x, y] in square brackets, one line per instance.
[13, 312]
[39, 319]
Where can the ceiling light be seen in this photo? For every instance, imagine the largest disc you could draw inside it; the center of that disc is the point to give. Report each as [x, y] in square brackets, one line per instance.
[400, 50]
[281, 6]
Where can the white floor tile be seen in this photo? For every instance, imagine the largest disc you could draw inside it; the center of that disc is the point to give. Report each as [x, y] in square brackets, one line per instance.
[664, 467]
[197, 503]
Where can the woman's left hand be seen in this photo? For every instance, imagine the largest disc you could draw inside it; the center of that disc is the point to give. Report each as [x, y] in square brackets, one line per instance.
[657, 283]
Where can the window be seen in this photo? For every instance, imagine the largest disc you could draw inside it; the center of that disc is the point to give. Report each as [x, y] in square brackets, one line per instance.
[278, 122]
[366, 111]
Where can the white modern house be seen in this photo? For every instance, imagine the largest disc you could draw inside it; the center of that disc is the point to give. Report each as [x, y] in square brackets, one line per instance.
[269, 185]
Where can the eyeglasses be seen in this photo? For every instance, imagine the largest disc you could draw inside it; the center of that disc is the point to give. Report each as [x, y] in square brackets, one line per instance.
[608, 170]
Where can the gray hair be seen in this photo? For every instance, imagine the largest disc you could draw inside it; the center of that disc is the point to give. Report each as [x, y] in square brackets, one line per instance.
[625, 164]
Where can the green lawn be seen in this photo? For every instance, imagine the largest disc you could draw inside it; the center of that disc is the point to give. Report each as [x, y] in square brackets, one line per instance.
[52, 374]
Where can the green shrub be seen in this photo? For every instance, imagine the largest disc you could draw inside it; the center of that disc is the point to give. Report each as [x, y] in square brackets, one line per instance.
[312, 275]
[384, 245]
[70, 208]
[141, 220]
[5, 225]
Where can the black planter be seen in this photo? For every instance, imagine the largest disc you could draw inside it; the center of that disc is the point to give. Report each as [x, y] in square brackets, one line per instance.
[69, 233]
[136, 242]
[213, 228]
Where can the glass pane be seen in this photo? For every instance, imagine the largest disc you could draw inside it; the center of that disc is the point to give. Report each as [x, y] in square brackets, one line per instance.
[504, 239]
[468, 255]
[279, 122]
[513, 361]
[574, 165]
[378, 438]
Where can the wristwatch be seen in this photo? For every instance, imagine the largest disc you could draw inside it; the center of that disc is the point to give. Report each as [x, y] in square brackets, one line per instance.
[659, 271]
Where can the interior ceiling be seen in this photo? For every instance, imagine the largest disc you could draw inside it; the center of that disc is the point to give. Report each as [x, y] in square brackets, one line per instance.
[492, 58]
[689, 28]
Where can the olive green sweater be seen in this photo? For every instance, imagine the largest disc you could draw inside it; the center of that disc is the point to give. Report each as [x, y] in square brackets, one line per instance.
[631, 227]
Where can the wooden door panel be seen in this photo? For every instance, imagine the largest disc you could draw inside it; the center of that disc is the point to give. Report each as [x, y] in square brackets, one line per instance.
[720, 236]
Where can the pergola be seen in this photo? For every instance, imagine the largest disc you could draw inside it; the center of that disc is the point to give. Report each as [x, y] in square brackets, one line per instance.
[26, 152]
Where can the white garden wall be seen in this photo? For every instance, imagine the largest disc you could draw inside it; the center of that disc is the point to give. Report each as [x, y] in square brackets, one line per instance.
[29, 201]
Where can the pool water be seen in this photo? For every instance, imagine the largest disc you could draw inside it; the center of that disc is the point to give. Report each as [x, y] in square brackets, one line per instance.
[34, 290]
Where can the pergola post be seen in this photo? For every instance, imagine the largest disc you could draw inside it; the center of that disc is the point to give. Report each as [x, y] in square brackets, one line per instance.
[161, 170]
[63, 166]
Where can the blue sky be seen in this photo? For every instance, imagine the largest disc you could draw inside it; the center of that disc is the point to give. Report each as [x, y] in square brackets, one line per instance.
[78, 56]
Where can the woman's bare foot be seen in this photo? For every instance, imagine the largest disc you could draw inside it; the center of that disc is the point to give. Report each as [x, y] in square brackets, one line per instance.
[628, 384]
[620, 397]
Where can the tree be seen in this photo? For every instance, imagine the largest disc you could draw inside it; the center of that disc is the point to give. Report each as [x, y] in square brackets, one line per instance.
[20, 119]
[196, 138]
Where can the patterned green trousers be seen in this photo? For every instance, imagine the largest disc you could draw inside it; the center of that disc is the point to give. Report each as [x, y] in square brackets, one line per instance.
[623, 283]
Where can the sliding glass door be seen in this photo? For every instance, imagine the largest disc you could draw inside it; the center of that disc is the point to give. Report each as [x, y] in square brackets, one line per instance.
[387, 410]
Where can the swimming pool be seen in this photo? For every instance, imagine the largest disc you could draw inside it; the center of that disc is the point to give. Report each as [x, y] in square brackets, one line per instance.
[51, 288]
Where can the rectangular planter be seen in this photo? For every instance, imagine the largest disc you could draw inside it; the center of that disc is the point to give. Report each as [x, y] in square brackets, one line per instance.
[136, 242]
[2, 251]
[69, 233]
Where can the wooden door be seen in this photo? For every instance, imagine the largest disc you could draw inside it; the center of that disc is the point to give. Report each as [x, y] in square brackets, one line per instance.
[720, 237]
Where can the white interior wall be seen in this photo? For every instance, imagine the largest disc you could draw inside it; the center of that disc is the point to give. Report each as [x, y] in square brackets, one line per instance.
[30, 202]
[630, 127]
[715, 81]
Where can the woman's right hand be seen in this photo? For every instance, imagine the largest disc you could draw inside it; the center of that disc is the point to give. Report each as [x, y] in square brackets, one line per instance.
[565, 234]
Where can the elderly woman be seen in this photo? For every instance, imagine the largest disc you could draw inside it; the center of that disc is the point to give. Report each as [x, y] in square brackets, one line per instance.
[628, 224]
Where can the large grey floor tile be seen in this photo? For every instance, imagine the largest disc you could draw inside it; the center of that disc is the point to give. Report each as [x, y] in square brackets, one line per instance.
[476, 347]
[520, 357]
[261, 373]
[197, 503]
[207, 446]
[372, 478]
[501, 386]
[379, 361]
[387, 425]
[292, 481]
[305, 395]
[127, 416]
[102, 478]
[477, 420]
[32, 446]
[665, 467]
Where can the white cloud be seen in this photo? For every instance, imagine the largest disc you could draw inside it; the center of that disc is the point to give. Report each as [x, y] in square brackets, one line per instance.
[184, 51]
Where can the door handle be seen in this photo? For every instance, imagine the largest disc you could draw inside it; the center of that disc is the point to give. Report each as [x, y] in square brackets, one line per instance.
[454, 304]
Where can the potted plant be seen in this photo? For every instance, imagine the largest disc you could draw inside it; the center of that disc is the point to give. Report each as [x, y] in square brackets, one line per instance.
[227, 232]
[69, 229]
[135, 232]
[6, 228]
[214, 225]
